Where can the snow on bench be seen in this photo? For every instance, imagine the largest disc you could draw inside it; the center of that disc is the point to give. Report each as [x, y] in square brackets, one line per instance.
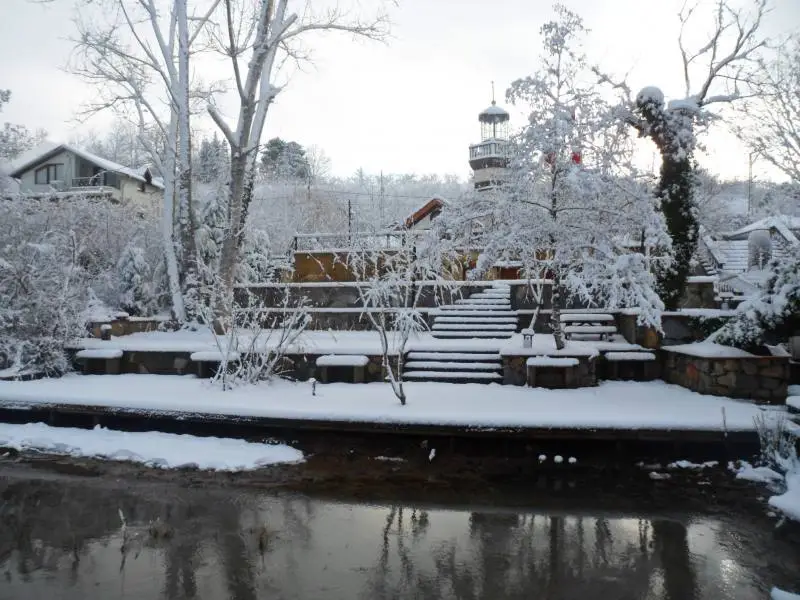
[601, 329]
[213, 356]
[793, 402]
[586, 317]
[551, 361]
[342, 360]
[629, 356]
[99, 353]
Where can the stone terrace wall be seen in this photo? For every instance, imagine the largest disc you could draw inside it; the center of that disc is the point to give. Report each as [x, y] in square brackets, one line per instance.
[760, 378]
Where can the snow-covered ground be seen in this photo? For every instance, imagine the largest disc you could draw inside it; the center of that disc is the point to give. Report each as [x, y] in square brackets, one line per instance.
[342, 342]
[162, 450]
[612, 404]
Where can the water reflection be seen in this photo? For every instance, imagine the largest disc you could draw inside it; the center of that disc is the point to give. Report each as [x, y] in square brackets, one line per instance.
[94, 540]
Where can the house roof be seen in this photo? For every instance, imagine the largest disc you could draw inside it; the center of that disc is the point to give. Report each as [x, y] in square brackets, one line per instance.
[431, 206]
[784, 224]
[47, 151]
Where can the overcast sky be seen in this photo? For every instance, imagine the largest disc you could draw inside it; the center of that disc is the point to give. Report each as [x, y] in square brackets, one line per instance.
[409, 106]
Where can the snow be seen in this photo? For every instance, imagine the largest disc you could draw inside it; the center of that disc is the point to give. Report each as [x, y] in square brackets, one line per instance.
[544, 345]
[155, 449]
[777, 594]
[342, 360]
[612, 404]
[547, 361]
[214, 356]
[588, 329]
[586, 317]
[708, 350]
[789, 502]
[793, 402]
[629, 356]
[650, 94]
[686, 464]
[794, 390]
[99, 353]
[748, 472]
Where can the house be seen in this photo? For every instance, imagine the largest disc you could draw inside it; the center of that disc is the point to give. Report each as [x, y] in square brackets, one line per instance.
[422, 218]
[66, 169]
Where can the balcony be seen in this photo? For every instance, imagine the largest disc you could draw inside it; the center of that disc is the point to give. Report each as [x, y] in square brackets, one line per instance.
[489, 149]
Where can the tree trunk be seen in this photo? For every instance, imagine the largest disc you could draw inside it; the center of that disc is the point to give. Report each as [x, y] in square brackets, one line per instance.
[185, 211]
[168, 225]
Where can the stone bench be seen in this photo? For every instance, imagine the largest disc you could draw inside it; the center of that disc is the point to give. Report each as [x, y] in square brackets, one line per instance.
[553, 371]
[635, 366]
[209, 361]
[603, 331]
[100, 361]
[330, 365]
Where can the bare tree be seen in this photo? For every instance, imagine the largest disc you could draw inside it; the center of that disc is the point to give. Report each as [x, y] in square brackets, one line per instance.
[771, 124]
[139, 58]
[715, 73]
[256, 44]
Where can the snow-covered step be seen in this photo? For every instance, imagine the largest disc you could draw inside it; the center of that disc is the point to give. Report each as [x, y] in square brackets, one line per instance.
[440, 365]
[471, 334]
[497, 301]
[502, 295]
[474, 326]
[481, 318]
[452, 356]
[476, 307]
[458, 311]
[452, 375]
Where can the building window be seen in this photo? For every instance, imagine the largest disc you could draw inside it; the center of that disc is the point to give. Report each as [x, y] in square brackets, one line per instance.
[49, 174]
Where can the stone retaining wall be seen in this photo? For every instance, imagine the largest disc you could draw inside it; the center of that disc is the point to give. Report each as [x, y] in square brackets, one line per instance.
[763, 379]
[295, 366]
[515, 371]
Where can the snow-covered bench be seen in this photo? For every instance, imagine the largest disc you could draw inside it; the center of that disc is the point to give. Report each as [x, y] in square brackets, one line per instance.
[638, 366]
[552, 371]
[603, 331]
[587, 318]
[99, 361]
[351, 363]
[208, 361]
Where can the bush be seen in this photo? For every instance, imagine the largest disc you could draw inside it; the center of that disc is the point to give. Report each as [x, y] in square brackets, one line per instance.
[772, 315]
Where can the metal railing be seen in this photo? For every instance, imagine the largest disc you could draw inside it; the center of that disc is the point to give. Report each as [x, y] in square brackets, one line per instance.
[354, 241]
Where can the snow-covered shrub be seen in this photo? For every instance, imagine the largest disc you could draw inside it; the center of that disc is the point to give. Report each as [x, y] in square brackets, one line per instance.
[771, 315]
[55, 255]
[136, 296]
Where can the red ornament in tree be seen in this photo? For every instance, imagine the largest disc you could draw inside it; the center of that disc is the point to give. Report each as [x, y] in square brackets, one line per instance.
[576, 158]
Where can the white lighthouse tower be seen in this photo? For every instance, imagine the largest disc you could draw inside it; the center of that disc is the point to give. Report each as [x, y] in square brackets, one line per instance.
[490, 158]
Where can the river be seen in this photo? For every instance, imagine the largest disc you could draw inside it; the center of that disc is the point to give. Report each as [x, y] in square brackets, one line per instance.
[63, 537]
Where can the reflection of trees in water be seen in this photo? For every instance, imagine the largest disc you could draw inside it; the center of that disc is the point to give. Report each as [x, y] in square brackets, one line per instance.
[524, 556]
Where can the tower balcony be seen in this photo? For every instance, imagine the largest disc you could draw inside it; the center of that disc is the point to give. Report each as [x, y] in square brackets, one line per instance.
[489, 153]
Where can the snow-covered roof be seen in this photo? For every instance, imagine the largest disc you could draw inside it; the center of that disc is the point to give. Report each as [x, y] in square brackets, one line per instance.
[781, 223]
[49, 149]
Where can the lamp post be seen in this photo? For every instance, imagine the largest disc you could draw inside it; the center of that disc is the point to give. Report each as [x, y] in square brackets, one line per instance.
[750, 160]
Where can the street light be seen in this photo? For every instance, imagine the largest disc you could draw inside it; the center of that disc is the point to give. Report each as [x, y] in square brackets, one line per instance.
[750, 160]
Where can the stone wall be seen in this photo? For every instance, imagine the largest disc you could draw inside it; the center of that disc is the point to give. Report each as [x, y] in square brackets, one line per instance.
[126, 326]
[515, 371]
[760, 378]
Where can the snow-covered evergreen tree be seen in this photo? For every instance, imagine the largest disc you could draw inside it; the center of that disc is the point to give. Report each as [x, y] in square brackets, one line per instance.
[135, 289]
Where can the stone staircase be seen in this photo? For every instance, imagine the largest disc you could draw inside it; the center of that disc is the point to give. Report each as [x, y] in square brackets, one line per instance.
[485, 314]
[451, 366]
